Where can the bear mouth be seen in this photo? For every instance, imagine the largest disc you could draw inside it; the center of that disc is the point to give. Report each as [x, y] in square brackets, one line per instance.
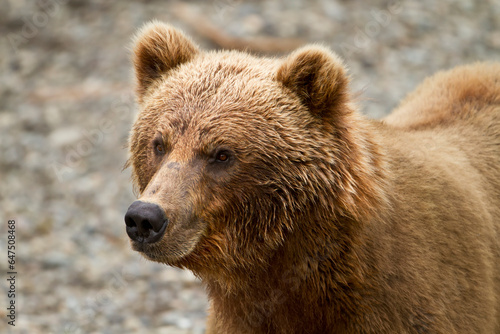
[149, 251]
[176, 244]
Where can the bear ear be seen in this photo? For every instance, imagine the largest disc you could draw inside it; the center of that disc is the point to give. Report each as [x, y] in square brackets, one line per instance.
[318, 77]
[158, 48]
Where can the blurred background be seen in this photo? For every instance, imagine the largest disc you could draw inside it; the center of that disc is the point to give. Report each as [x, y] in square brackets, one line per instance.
[67, 104]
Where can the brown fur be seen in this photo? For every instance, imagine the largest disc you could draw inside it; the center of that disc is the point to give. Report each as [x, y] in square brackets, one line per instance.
[321, 221]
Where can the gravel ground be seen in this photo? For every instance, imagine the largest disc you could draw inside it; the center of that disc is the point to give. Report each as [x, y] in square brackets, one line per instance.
[66, 106]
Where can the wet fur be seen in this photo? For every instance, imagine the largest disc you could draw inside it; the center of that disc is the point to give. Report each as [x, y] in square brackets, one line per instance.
[326, 222]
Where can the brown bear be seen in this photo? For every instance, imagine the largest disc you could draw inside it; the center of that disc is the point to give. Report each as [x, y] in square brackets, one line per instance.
[300, 215]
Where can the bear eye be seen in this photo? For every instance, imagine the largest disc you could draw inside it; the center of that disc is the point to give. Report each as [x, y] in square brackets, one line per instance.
[222, 156]
[158, 147]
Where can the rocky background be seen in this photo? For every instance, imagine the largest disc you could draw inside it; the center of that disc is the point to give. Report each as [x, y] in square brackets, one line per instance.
[66, 106]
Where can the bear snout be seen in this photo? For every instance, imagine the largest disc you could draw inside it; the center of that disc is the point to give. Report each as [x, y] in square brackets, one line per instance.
[145, 222]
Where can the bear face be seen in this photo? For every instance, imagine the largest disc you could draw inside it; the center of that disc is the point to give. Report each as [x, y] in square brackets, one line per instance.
[229, 146]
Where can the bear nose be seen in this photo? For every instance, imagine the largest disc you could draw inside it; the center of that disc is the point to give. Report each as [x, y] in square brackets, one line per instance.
[146, 222]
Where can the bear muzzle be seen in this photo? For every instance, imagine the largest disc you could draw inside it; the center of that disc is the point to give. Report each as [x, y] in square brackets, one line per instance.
[145, 222]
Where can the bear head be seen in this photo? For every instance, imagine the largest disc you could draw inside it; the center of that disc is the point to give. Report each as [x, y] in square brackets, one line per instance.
[239, 151]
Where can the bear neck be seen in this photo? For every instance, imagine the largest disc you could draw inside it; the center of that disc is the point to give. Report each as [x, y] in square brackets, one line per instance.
[307, 274]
